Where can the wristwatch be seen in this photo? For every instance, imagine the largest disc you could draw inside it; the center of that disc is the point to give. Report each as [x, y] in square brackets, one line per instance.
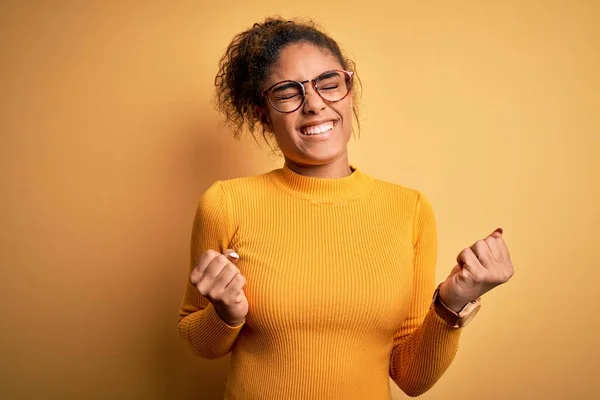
[454, 319]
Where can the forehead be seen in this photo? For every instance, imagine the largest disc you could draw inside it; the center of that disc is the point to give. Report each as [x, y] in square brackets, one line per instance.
[300, 62]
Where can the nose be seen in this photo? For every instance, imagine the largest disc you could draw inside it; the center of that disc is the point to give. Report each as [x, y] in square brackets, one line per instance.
[313, 103]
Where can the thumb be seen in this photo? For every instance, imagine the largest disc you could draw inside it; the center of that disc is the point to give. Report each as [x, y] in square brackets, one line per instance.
[497, 233]
[231, 255]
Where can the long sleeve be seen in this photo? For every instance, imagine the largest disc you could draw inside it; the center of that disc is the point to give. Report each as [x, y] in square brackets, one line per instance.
[425, 344]
[199, 324]
[340, 275]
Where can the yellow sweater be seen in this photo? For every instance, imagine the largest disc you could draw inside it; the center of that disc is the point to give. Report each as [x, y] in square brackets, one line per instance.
[340, 275]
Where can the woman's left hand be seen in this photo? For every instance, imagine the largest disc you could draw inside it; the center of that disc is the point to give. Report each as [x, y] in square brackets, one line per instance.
[481, 267]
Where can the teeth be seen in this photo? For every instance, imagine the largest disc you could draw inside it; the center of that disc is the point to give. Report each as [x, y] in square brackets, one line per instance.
[317, 129]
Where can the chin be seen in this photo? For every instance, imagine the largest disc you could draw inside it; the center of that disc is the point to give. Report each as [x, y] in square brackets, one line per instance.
[319, 156]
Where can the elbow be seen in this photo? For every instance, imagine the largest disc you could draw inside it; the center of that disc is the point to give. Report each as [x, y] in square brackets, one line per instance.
[199, 347]
[415, 391]
[207, 355]
[413, 388]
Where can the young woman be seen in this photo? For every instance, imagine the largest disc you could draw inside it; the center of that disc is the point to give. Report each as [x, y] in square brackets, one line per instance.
[318, 278]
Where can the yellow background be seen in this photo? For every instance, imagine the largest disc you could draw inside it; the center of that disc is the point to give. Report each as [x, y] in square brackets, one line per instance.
[108, 138]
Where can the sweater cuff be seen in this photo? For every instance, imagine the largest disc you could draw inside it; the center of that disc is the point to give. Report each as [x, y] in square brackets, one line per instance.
[209, 323]
[208, 334]
[440, 326]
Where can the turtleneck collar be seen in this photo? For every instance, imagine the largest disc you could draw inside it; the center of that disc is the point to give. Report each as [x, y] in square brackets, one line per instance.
[323, 190]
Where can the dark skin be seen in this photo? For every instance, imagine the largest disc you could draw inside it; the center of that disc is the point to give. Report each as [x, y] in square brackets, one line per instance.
[327, 158]
[481, 267]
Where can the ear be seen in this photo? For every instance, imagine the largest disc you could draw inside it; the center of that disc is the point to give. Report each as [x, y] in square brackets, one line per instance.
[263, 116]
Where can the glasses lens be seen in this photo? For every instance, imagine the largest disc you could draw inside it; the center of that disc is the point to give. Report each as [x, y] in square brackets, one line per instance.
[286, 96]
[333, 85]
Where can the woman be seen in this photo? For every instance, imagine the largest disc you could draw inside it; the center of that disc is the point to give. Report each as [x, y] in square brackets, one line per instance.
[318, 278]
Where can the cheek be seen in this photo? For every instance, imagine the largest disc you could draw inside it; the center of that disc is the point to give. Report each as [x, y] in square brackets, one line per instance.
[283, 126]
[349, 109]
[345, 111]
[284, 123]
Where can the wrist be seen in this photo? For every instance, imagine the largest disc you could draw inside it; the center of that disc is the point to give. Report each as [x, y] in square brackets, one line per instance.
[235, 324]
[451, 302]
[231, 323]
[455, 318]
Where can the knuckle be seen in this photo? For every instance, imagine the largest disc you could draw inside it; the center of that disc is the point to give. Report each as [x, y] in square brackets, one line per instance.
[209, 273]
[214, 294]
[479, 276]
[211, 253]
[203, 291]
[239, 280]
[231, 268]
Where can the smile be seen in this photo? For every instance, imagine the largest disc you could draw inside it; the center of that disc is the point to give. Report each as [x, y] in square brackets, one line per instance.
[318, 129]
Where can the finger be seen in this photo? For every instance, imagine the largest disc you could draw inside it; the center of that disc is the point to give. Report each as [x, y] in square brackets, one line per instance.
[231, 255]
[204, 261]
[216, 265]
[228, 272]
[460, 259]
[469, 260]
[455, 270]
[213, 270]
[497, 232]
[483, 253]
[492, 243]
[240, 297]
[194, 277]
[503, 249]
[235, 287]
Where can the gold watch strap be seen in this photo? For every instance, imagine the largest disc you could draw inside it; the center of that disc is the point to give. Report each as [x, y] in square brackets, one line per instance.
[454, 319]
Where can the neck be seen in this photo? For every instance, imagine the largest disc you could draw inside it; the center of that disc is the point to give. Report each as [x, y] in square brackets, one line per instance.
[338, 168]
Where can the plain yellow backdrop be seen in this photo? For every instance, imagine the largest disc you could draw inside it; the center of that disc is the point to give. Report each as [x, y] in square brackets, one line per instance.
[108, 138]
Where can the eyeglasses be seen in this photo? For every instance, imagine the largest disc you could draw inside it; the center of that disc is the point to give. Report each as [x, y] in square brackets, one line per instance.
[288, 96]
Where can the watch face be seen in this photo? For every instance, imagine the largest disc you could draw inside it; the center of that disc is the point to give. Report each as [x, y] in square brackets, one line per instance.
[469, 317]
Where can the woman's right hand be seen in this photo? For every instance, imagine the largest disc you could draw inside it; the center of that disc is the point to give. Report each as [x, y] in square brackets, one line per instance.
[218, 279]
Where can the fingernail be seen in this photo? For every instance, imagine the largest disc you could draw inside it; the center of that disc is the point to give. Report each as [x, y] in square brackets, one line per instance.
[234, 254]
[499, 230]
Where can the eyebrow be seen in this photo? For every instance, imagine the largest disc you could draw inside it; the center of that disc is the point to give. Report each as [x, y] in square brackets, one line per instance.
[329, 74]
[285, 86]
[324, 75]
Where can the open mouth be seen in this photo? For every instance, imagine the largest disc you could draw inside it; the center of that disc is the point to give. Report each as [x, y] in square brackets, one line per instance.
[316, 130]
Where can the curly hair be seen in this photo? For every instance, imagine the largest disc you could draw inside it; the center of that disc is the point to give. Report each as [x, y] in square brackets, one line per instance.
[248, 61]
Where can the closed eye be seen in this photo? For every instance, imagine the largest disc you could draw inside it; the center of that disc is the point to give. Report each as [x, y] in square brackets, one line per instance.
[329, 87]
[286, 97]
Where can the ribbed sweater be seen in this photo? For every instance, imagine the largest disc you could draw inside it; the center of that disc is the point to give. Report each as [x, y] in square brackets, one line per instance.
[340, 275]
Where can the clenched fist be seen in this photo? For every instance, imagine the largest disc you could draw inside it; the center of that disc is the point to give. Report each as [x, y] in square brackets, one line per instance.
[481, 267]
[218, 279]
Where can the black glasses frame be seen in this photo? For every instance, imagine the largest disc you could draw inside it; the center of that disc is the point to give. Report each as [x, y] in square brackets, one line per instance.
[349, 75]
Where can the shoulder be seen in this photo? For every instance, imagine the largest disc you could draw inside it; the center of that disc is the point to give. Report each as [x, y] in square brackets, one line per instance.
[244, 188]
[232, 191]
[402, 194]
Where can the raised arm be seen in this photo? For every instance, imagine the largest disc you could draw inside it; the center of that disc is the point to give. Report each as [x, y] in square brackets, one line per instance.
[199, 324]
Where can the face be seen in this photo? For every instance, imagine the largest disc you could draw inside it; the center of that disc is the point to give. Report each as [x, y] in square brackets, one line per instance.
[301, 62]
